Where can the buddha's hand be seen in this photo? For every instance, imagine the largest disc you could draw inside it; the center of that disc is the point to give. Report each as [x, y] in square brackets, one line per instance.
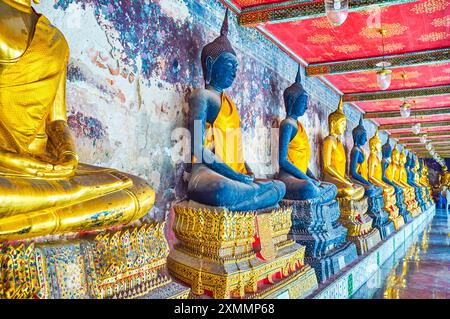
[68, 161]
[243, 178]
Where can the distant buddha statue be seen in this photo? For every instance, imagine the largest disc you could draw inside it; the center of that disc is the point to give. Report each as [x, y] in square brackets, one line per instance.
[334, 158]
[295, 151]
[418, 168]
[43, 188]
[359, 173]
[220, 176]
[399, 159]
[389, 172]
[358, 162]
[424, 181]
[411, 179]
[352, 202]
[375, 175]
[315, 212]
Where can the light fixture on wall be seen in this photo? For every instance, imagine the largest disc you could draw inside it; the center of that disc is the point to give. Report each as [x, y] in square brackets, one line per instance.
[384, 76]
[336, 11]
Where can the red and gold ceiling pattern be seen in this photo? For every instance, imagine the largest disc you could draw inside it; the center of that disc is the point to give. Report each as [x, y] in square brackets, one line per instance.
[415, 26]
[416, 77]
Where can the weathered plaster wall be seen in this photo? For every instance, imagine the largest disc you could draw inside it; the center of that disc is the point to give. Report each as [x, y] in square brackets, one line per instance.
[133, 65]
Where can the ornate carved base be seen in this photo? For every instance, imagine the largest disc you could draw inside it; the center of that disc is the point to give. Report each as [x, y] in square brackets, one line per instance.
[380, 217]
[398, 222]
[315, 225]
[366, 242]
[354, 217]
[127, 263]
[223, 254]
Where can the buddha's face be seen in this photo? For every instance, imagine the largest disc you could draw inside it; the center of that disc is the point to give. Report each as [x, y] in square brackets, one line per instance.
[300, 105]
[340, 126]
[395, 156]
[362, 139]
[375, 147]
[223, 70]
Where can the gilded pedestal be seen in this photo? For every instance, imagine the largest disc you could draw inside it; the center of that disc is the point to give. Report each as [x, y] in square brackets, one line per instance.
[316, 226]
[354, 217]
[223, 254]
[128, 263]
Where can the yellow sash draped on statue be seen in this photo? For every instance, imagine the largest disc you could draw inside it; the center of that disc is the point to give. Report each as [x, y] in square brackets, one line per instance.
[299, 150]
[361, 168]
[224, 136]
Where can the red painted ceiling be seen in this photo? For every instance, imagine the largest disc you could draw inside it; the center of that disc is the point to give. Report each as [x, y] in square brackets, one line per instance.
[424, 102]
[416, 77]
[411, 27]
[415, 26]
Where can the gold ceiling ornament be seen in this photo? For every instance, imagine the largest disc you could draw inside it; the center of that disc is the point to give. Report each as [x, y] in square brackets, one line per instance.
[446, 70]
[440, 78]
[434, 36]
[315, 60]
[409, 75]
[347, 48]
[441, 22]
[392, 29]
[430, 6]
[321, 23]
[320, 38]
[391, 47]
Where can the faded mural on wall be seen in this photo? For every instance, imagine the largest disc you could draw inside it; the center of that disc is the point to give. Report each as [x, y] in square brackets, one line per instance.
[133, 65]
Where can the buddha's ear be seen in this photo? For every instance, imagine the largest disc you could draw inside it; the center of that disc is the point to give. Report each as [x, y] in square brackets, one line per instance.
[209, 66]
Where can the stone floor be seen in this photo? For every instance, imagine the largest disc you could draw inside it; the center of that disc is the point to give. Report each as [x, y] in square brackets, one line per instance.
[419, 269]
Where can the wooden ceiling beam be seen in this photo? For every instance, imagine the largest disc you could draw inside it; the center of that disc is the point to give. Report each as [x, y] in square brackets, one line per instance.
[397, 94]
[409, 125]
[368, 64]
[396, 114]
[412, 136]
[294, 10]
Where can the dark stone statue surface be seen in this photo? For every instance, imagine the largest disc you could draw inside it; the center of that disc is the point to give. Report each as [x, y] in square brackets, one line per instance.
[215, 181]
[315, 216]
[359, 174]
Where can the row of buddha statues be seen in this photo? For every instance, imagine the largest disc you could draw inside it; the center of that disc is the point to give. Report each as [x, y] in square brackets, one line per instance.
[237, 236]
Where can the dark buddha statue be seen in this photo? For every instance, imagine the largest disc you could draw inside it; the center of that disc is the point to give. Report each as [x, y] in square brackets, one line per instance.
[220, 177]
[411, 178]
[359, 173]
[295, 151]
[358, 162]
[315, 211]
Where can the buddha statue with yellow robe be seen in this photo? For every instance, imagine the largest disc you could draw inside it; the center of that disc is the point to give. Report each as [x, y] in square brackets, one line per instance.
[375, 176]
[359, 173]
[232, 234]
[424, 180]
[409, 189]
[418, 169]
[353, 204]
[315, 211]
[43, 188]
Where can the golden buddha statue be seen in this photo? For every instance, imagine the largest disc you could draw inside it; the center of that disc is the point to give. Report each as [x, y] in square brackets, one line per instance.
[375, 176]
[352, 202]
[43, 188]
[334, 158]
[399, 159]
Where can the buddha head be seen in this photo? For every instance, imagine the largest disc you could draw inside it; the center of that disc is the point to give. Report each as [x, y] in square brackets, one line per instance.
[21, 5]
[337, 122]
[295, 98]
[395, 155]
[387, 150]
[402, 157]
[375, 143]
[360, 134]
[219, 62]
